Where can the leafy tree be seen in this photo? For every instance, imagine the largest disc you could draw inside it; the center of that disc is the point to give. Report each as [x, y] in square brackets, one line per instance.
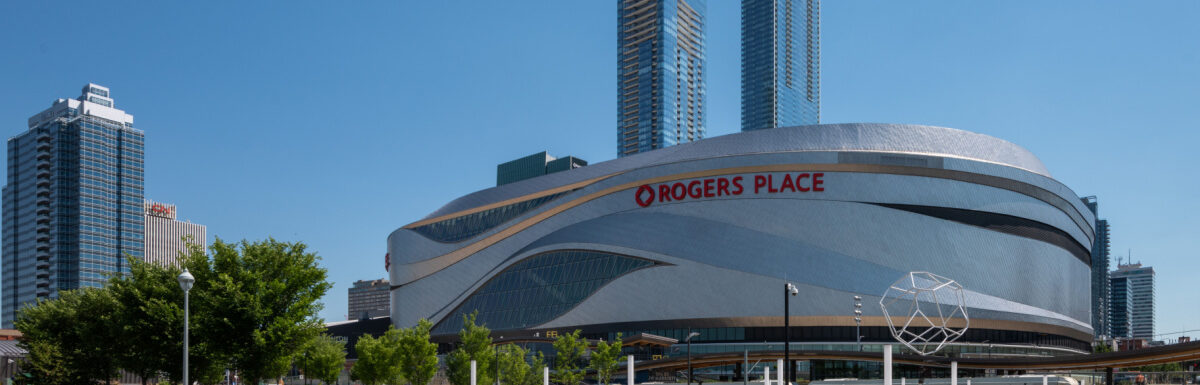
[604, 360]
[475, 343]
[150, 324]
[375, 364]
[69, 338]
[1101, 348]
[263, 297]
[537, 367]
[324, 358]
[513, 368]
[569, 349]
[417, 357]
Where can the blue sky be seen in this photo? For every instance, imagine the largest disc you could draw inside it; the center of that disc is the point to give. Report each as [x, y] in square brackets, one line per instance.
[335, 124]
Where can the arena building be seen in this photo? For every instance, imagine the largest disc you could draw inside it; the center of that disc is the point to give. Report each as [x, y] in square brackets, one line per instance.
[703, 236]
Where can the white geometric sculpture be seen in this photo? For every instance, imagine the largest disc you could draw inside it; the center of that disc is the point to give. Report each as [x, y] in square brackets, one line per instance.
[919, 307]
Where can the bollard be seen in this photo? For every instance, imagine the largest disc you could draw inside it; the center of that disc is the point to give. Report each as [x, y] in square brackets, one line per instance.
[472, 372]
[901, 380]
[629, 369]
[546, 376]
[1045, 380]
[887, 364]
[954, 373]
[766, 375]
[779, 372]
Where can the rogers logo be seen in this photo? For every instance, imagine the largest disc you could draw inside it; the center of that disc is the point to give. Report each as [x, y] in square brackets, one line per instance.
[647, 192]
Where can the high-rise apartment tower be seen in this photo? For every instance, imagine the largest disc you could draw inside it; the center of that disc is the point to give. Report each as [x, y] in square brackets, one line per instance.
[1101, 285]
[166, 237]
[1132, 301]
[73, 201]
[781, 63]
[368, 299]
[660, 73]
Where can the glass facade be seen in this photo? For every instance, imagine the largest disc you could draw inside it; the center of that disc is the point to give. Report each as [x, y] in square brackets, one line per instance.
[467, 226]
[534, 166]
[1101, 286]
[540, 288]
[1132, 311]
[73, 201]
[781, 66]
[660, 73]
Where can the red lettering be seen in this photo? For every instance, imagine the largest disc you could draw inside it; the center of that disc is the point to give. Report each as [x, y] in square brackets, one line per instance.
[801, 185]
[678, 191]
[708, 188]
[787, 183]
[737, 182]
[722, 186]
[664, 193]
[694, 190]
[759, 181]
[817, 181]
[771, 184]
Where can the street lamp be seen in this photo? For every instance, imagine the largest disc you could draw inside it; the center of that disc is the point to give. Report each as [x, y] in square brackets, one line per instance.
[789, 288]
[185, 282]
[858, 321]
[689, 343]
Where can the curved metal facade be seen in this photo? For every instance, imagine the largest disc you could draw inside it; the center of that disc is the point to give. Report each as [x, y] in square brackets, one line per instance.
[705, 234]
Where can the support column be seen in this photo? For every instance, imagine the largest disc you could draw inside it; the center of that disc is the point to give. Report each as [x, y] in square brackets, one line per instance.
[766, 375]
[628, 369]
[473, 372]
[1045, 380]
[779, 372]
[954, 373]
[887, 364]
[546, 375]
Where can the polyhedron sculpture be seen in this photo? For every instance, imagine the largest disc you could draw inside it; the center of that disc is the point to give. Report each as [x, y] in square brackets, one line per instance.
[919, 308]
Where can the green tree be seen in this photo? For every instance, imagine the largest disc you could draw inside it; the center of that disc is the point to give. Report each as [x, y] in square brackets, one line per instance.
[416, 356]
[69, 339]
[475, 343]
[569, 349]
[376, 360]
[263, 297]
[604, 360]
[537, 367]
[150, 324]
[514, 370]
[324, 358]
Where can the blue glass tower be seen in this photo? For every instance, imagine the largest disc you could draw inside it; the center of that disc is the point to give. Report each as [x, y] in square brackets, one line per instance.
[660, 73]
[781, 63]
[1101, 285]
[73, 201]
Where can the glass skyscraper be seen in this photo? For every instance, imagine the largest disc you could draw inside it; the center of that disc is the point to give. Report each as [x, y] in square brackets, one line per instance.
[781, 63]
[1101, 286]
[660, 73]
[73, 202]
[1132, 312]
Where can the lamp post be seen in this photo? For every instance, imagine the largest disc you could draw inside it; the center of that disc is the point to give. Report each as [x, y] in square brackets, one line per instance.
[858, 321]
[185, 282]
[688, 340]
[789, 288]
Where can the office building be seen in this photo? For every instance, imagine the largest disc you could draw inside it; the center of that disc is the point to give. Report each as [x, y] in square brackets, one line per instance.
[781, 63]
[369, 299]
[534, 165]
[1132, 302]
[661, 73]
[166, 237]
[1101, 285]
[73, 201]
[704, 235]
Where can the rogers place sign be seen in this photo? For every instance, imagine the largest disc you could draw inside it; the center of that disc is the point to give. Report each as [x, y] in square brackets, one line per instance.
[803, 182]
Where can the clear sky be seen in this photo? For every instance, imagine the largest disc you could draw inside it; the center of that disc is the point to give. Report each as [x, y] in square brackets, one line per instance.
[336, 123]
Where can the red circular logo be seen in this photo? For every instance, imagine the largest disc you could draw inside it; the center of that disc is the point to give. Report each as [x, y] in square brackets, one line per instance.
[647, 192]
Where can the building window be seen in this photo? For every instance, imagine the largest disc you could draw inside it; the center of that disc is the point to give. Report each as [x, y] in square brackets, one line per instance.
[463, 227]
